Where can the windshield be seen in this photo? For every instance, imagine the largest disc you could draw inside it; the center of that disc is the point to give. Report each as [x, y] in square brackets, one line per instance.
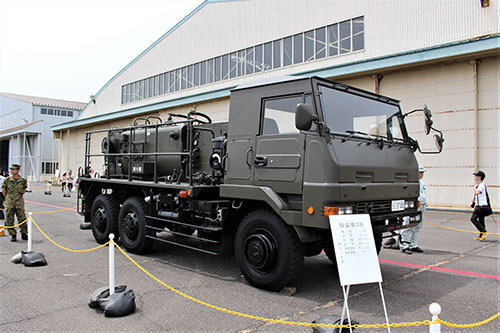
[347, 112]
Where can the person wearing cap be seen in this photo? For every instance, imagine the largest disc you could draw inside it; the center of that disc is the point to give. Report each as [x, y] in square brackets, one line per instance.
[479, 202]
[13, 189]
[409, 236]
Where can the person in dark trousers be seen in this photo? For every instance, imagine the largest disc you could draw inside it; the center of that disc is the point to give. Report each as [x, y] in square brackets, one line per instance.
[13, 189]
[480, 204]
[2, 198]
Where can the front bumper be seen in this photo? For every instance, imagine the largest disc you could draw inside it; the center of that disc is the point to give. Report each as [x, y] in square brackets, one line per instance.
[395, 221]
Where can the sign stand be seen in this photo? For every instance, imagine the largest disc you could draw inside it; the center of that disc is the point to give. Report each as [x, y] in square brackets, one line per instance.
[357, 258]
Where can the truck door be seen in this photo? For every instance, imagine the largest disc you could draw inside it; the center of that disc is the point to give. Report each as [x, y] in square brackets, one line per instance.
[279, 148]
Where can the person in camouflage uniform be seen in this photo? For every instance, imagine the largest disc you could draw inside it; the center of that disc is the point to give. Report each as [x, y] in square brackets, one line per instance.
[13, 189]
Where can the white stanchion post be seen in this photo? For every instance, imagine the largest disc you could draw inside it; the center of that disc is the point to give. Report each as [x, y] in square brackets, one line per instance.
[30, 232]
[435, 310]
[111, 265]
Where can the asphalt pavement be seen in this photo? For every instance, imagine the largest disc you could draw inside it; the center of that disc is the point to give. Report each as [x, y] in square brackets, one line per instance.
[459, 273]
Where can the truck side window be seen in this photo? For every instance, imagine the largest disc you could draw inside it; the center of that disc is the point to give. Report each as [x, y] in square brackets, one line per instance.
[279, 115]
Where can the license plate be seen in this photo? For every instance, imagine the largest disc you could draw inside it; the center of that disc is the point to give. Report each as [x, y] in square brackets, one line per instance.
[397, 205]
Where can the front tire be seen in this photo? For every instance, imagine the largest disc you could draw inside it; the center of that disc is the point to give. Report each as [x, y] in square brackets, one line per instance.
[132, 226]
[268, 251]
[104, 217]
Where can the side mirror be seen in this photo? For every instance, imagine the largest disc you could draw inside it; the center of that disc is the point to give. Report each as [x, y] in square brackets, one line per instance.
[428, 120]
[304, 117]
[438, 140]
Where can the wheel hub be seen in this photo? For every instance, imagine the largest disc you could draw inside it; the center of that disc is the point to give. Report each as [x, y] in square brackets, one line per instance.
[100, 219]
[261, 251]
[131, 225]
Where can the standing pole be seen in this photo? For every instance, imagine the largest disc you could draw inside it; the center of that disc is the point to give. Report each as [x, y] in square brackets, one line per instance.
[346, 308]
[385, 308]
[111, 265]
[30, 233]
[435, 310]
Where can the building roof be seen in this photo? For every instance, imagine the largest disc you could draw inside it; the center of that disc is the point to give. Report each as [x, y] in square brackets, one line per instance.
[25, 128]
[46, 101]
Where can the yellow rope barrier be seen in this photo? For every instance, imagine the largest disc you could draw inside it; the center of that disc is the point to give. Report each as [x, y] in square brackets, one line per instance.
[457, 229]
[65, 248]
[49, 211]
[469, 325]
[12, 226]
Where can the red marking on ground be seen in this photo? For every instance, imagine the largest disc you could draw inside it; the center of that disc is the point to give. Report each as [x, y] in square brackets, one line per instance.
[442, 269]
[48, 205]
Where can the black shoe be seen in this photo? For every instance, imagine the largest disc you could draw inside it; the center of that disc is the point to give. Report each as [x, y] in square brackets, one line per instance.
[406, 251]
[24, 236]
[417, 249]
[13, 238]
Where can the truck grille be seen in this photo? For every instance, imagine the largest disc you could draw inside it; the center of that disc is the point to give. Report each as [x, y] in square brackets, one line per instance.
[377, 207]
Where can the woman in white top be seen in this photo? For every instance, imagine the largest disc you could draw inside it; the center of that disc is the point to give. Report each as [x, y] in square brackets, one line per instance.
[480, 203]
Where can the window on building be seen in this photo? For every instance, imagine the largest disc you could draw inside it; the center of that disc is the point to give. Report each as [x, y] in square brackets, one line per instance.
[218, 68]
[298, 48]
[320, 49]
[327, 41]
[50, 112]
[358, 33]
[345, 36]
[203, 73]
[241, 63]
[43, 111]
[277, 53]
[210, 70]
[49, 168]
[63, 113]
[70, 113]
[161, 85]
[233, 64]
[258, 59]
[279, 115]
[225, 67]
[268, 56]
[309, 45]
[333, 40]
[249, 61]
[190, 73]
[196, 74]
[288, 51]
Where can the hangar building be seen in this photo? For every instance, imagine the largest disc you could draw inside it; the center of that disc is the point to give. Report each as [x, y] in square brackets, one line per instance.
[441, 53]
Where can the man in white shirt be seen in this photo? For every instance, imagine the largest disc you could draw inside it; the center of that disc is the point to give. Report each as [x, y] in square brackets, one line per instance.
[479, 202]
[409, 236]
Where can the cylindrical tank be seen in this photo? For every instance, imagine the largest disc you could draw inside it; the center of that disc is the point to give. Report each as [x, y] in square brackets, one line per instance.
[143, 140]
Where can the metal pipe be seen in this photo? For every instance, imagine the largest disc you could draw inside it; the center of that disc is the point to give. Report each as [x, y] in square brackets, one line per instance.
[476, 116]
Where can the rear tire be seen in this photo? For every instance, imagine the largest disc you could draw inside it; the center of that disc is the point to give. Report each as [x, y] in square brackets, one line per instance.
[132, 226]
[104, 218]
[268, 251]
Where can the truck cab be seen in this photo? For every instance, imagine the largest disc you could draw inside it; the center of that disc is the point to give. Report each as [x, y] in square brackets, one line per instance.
[355, 156]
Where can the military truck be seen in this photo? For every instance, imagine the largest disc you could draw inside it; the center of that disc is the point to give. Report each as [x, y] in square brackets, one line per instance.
[294, 151]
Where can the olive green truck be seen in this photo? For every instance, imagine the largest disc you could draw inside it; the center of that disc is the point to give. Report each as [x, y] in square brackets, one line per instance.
[262, 185]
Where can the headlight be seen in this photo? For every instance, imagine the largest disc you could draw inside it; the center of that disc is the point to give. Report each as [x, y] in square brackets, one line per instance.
[345, 210]
[409, 204]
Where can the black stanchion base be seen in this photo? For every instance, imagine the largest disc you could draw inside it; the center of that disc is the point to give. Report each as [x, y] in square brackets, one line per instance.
[47, 192]
[30, 259]
[332, 320]
[120, 304]
[85, 226]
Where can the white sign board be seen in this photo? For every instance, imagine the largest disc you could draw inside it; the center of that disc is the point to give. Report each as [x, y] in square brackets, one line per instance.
[357, 258]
